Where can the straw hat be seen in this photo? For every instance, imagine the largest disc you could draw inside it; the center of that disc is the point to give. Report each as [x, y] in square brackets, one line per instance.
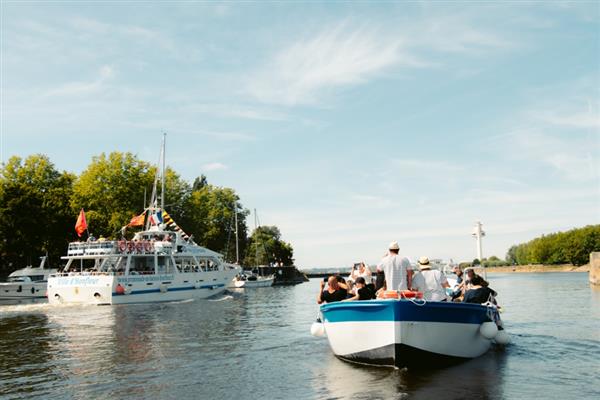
[424, 263]
[394, 246]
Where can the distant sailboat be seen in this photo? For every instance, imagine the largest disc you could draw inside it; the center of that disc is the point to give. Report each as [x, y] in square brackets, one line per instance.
[250, 280]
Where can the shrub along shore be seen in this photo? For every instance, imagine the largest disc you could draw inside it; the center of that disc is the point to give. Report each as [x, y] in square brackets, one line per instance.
[538, 268]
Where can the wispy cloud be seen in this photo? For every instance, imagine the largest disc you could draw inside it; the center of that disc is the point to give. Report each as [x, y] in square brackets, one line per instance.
[215, 166]
[577, 116]
[456, 34]
[335, 57]
[575, 159]
[238, 111]
[82, 88]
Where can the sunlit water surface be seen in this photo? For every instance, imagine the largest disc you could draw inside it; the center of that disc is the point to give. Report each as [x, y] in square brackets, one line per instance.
[256, 345]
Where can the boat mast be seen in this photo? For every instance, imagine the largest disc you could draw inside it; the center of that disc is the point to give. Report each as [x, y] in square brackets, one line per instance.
[237, 244]
[162, 192]
[257, 234]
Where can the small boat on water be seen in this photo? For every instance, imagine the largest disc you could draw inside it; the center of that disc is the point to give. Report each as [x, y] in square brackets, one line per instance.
[251, 279]
[161, 263]
[408, 333]
[26, 283]
[244, 280]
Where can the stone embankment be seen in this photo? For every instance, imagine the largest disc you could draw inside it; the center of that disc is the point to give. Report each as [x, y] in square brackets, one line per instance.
[595, 268]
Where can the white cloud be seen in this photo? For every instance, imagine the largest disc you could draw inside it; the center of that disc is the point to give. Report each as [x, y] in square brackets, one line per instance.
[335, 57]
[455, 34]
[215, 166]
[238, 111]
[574, 158]
[344, 55]
[105, 74]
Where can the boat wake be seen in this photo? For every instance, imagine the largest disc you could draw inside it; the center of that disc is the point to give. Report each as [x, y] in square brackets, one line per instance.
[227, 297]
[182, 301]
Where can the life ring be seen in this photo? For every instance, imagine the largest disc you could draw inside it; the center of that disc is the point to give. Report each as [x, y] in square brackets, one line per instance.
[409, 294]
[148, 246]
[139, 246]
[389, 294]
[130, 246]
[122, 245]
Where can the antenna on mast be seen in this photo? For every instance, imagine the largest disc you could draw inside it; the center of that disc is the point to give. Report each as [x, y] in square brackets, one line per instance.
[162, 192]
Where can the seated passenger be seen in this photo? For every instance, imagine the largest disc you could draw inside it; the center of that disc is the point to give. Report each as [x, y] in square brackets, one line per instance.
[342, 283]
[363, 292]
[432, 283]
[333, 292]
[459, 279]
[479, 292]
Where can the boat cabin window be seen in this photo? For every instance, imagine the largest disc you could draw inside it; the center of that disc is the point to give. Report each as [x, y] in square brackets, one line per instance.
[164, 265]
[141, 265]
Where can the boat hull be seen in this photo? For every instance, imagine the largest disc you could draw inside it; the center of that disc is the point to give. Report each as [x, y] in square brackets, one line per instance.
[121, 289]
[400, 333]
[22, 290]
[254, 284]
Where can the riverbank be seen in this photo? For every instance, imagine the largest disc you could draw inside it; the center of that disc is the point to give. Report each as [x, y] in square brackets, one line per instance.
[539, 268]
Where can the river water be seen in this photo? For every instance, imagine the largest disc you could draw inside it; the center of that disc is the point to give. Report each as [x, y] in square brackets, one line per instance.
[256, 345]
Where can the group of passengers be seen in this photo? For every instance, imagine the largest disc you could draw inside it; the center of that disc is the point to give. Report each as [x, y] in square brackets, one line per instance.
[396, 273]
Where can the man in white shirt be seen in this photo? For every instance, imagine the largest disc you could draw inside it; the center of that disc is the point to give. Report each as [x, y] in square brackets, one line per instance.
[398, 271]
[432, 283]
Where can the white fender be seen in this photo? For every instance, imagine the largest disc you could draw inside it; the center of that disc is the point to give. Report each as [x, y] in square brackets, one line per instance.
[488, 330]
[163, 288]
[502, 338]
[198, 285]
[317, 329]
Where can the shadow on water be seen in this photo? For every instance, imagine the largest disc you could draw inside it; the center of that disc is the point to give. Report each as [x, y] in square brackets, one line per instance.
[480, 378]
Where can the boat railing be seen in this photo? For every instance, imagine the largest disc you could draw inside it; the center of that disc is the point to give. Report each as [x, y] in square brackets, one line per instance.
[120, 247]
[91, 248]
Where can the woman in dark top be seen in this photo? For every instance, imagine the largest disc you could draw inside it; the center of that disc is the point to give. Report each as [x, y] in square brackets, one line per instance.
[333, 292]
[363, 291]
[479, 292]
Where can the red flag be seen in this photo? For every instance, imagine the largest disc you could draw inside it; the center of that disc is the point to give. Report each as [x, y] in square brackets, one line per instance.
[137, 220]
[81, 224]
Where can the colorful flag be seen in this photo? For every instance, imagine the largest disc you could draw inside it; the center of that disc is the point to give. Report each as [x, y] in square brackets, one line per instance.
[138, 220]
[156, 218]
[81, 224]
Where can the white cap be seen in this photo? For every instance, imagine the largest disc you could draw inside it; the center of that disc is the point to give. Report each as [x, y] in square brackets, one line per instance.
[394, 246]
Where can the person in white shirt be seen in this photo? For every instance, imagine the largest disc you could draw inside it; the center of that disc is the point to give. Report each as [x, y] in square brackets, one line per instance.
[398, 271]
[432, 283]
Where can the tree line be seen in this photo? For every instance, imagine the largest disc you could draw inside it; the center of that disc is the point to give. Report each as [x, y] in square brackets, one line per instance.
[573, 246]
[39, 207]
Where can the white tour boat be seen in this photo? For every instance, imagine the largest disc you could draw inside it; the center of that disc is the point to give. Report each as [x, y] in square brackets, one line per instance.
[156, 266]
[26, 283]
[160, 263]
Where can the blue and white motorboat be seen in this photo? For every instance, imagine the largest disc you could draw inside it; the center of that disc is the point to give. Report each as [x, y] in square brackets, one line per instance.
[408, 332]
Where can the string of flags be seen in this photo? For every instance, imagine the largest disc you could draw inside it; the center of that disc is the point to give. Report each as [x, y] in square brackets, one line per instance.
[170, 223]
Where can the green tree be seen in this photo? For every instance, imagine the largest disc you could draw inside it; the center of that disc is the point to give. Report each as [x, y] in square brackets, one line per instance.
[511, 255]
[209, 216]
[572, 246]
[266, 247]
[111, 190]
[34, 210]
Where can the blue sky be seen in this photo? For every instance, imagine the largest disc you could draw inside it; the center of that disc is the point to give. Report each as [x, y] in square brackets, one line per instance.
[346, 124]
